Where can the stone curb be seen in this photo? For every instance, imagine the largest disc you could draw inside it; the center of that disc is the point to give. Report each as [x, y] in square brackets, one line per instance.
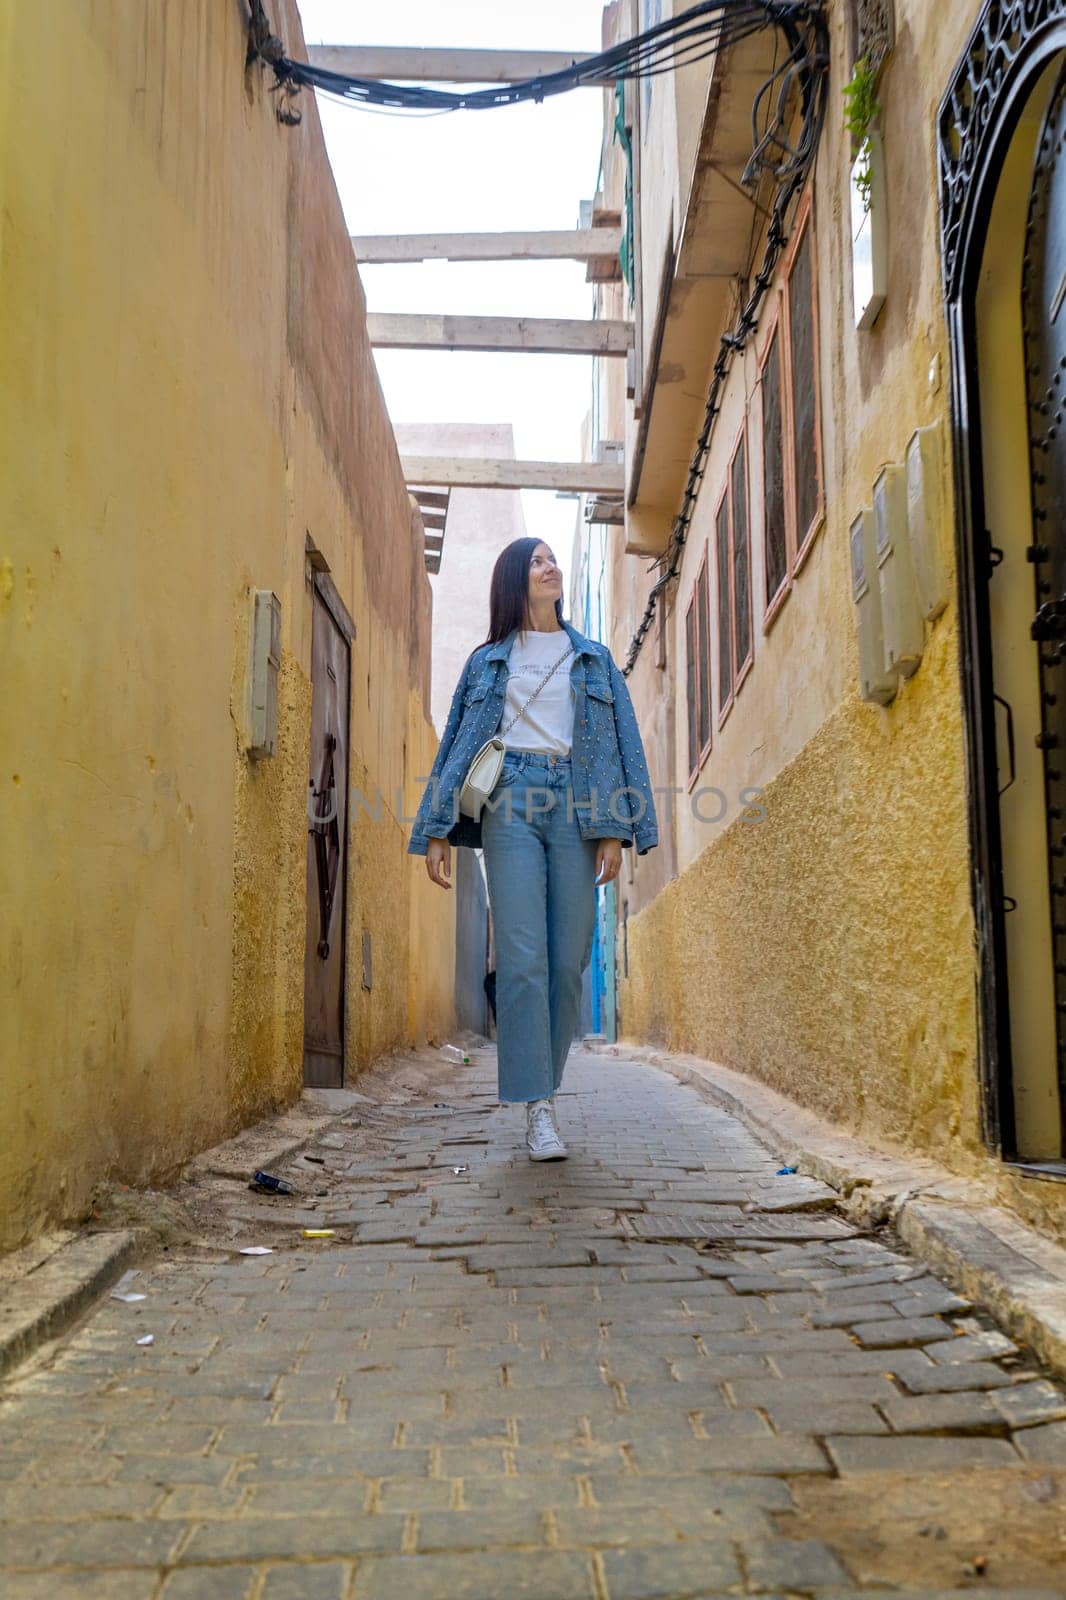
[47, 1297]
[47, 1300]
[268, 1143]
[998, 1262]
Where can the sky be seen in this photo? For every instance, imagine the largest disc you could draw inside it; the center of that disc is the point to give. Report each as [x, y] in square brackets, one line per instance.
[515, 167]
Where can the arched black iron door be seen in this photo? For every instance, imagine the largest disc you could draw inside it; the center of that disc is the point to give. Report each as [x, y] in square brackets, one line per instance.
[1044, 323]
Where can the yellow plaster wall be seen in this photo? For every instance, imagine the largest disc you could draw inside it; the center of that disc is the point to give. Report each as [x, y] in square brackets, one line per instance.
[826, 948]
[431, 981]
[187, 391]
[829, 948]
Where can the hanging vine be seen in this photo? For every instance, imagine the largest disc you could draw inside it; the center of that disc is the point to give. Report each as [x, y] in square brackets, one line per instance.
[860, 110]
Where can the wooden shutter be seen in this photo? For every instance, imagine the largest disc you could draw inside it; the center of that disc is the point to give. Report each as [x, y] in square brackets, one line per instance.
[725, 629]
[690, 684]
[703, 645]
[738, 493]
[802, 360]
[773, 473]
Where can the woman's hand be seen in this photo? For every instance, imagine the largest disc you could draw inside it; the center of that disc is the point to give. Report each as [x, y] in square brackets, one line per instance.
[608, 860]
[439, 862]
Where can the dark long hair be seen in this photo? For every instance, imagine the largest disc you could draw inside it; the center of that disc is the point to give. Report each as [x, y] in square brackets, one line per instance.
[509, 590]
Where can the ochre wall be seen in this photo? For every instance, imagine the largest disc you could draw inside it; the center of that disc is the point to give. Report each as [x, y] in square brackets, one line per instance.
[188, 392]
[829, 948]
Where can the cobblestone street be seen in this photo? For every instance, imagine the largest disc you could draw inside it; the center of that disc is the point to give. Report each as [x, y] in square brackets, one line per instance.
[658, 1369]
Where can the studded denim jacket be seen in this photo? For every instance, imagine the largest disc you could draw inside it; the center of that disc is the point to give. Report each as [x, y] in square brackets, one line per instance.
[609, 774]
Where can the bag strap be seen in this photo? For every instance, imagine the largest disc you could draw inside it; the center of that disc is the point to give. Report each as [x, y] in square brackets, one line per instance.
[567, 652]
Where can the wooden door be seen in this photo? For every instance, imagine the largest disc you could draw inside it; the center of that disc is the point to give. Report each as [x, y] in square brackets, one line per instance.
[327, 814]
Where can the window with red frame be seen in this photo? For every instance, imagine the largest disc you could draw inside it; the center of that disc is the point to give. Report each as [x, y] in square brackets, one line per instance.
[698, 670]
[733, 567]
[791, 439]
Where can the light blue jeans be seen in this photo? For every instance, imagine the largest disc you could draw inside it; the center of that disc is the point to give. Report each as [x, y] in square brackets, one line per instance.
[540, 875]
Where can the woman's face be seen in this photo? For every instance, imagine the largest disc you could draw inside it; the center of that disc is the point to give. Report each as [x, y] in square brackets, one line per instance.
[545, 578]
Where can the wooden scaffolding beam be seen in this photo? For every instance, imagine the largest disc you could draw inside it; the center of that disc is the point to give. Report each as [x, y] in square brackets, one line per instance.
[400, 64]
[472, 472]
[574, 244]
[535, 335]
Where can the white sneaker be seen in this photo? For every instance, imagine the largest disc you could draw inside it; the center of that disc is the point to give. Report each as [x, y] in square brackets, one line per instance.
[542, 1135]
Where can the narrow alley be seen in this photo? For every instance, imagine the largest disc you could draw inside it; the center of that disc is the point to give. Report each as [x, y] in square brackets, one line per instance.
[532, 800]
[664, 1369]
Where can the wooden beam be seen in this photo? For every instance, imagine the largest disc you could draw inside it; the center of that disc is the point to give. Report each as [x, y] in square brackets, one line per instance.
[399, 64]
[573, 244]
[471, 472]
[536, 335]
[437, 500]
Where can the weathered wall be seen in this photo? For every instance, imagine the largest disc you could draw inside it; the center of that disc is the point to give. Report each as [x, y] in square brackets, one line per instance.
[829, 948]
[480, 522]
[852, 792]
[188, 391]
[828, 957]
[471, 941]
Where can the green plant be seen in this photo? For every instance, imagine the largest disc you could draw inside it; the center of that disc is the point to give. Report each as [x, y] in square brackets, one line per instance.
[860, 109]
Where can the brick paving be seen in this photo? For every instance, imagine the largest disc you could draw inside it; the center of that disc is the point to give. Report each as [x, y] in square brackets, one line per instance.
[599, 1379]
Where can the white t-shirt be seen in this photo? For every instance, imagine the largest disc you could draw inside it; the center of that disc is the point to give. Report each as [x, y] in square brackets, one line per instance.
[548, 724]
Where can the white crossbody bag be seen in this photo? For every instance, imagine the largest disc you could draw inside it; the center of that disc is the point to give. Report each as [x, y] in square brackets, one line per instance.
[483, 773]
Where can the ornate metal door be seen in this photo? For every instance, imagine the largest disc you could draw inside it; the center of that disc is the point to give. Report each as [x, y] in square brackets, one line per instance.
[327, 822]
[1044, 322]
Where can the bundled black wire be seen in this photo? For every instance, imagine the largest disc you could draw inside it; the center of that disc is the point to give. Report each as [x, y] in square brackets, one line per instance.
[804, 77]
[694, 35]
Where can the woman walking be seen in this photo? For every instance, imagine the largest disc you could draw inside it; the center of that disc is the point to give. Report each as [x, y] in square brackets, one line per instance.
[572, 793]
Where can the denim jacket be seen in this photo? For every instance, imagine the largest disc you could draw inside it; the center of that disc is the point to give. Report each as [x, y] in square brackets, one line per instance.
[612, 791]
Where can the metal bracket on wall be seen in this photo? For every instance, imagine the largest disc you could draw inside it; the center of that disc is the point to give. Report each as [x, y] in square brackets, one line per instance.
[322, 810]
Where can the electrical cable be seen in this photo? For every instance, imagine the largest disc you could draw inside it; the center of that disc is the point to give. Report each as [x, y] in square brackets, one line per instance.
[692, 35]
[805, 70]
